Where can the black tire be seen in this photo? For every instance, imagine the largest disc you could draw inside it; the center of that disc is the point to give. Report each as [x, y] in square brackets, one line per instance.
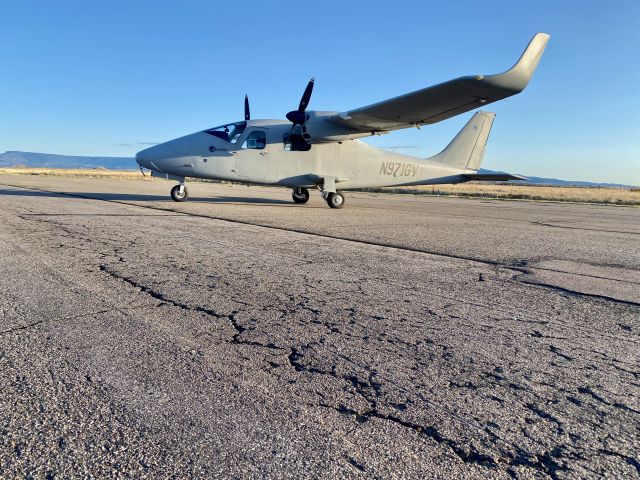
[300, 195]
[336, 200]
[175, 194]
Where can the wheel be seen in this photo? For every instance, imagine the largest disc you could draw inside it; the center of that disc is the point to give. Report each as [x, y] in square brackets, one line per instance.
[335, 200]
[177, 197]
[300, 195]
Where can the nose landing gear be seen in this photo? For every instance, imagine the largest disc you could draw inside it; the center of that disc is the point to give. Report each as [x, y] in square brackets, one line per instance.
[179, 193]
[300, 195]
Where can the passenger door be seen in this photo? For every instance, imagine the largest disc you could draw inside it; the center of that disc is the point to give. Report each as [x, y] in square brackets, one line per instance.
[253, 155]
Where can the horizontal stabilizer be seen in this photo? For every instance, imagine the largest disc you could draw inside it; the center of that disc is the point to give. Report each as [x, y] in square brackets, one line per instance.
[491, 177]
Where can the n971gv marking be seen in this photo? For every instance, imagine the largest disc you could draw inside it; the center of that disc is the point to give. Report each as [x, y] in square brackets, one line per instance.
[398, 169]
[318, 149]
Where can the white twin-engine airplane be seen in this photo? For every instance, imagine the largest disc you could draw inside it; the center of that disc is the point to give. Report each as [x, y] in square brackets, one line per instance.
[318, 149]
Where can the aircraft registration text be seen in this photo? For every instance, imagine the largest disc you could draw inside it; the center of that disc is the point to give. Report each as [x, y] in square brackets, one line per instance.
[399, 169]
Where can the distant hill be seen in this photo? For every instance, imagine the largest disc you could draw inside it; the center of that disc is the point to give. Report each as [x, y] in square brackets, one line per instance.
[49, 160]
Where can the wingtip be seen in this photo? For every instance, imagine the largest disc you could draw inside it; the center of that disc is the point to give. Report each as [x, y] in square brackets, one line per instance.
[518, 76]
[532, 54]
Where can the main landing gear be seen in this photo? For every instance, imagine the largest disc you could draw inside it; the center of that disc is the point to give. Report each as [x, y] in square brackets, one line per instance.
[179, 193]
[300, 195]
[335, 199]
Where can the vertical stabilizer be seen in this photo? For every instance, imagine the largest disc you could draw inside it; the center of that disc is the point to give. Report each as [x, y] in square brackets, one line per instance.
[466, 150]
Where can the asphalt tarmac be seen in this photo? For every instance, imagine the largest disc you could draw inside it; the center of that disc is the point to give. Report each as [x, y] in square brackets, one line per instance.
[239, 335]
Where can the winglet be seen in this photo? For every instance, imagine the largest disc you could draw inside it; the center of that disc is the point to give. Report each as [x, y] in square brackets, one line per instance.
[518, 76]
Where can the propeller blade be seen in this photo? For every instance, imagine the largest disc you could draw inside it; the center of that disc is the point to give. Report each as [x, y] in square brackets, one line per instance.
[306, 96]
[288, 140]
[247, 113]
[298, 117]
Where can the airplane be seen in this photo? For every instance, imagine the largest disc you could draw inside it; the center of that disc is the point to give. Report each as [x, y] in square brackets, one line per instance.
[320, 149]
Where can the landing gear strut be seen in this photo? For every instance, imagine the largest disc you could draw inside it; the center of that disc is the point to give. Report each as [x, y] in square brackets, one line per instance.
[179, 193]
[300, 195]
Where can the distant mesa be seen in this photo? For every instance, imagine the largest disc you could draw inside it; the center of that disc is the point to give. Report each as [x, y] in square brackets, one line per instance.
[50, 160]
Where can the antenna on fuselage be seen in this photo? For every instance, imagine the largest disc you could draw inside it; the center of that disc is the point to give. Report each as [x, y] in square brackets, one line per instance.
[247, 113]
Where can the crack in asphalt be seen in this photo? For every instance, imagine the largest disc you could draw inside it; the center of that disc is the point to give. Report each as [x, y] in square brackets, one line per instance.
[157, 295]
[550, 462]
[239, 329]
[365, 389]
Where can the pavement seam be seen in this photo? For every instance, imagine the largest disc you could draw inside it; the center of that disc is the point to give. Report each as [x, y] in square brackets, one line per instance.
[568, 291]
[542, 224]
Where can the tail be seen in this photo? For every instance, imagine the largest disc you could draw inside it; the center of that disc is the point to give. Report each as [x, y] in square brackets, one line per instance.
[466, 150]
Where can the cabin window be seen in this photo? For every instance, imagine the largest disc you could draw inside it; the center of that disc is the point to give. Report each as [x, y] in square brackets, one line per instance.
[256, 140]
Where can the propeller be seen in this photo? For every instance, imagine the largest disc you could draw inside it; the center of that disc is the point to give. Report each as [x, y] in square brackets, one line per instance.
[299, 117]
[247, 113]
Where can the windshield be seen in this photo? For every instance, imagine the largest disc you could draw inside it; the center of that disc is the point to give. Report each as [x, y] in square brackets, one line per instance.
[229, 133]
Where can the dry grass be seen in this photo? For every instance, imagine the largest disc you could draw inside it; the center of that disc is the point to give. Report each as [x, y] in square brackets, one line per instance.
[609, 196]
[75, 172]
[602, 195]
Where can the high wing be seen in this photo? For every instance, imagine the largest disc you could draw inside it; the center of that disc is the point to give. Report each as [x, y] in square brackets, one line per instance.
[445, 100]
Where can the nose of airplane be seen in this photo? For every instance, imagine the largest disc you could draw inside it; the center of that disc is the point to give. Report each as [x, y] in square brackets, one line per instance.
[143, 158]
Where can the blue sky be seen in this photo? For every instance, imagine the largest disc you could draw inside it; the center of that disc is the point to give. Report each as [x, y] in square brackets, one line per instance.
[104, 78]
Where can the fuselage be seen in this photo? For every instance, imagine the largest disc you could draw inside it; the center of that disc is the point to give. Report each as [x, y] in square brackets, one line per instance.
[260, 155]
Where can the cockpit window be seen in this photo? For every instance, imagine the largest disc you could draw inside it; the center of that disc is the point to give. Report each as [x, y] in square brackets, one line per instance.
[256, 140]
[229, 133]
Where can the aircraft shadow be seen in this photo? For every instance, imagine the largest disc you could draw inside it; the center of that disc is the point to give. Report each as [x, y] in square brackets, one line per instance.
[136, 197]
